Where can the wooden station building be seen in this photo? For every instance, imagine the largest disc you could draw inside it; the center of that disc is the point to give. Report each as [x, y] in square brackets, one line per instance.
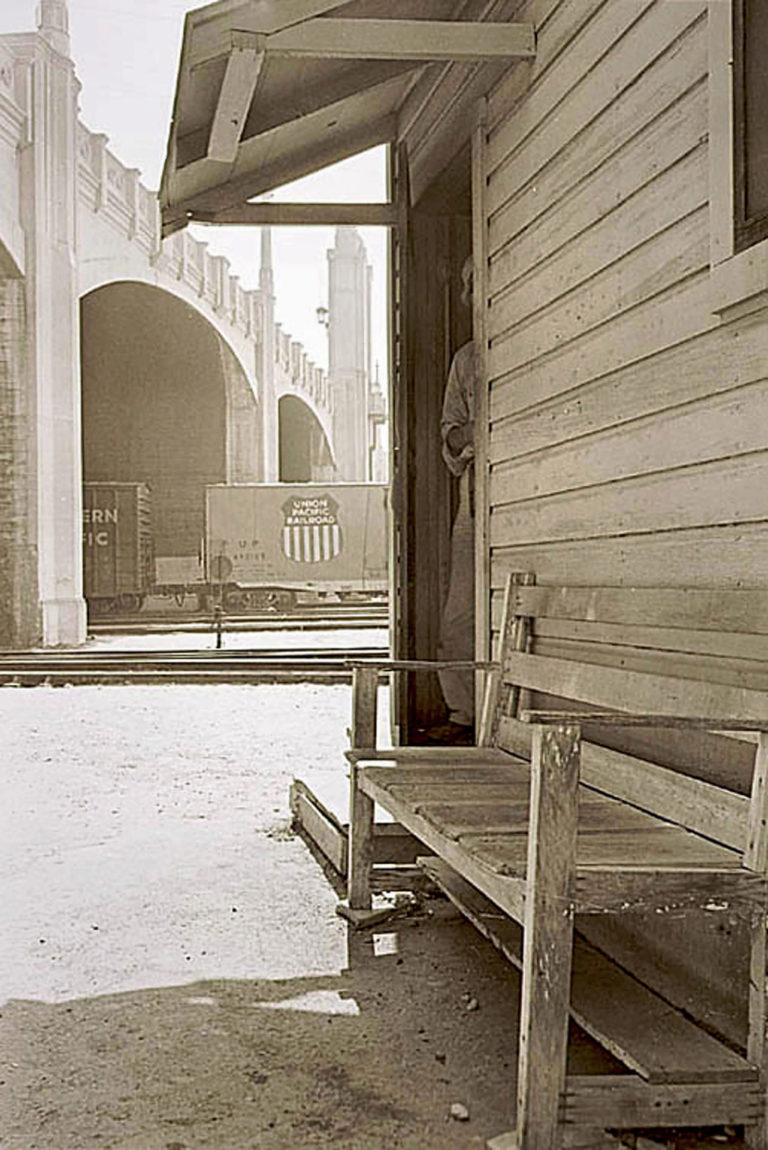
[606, 164]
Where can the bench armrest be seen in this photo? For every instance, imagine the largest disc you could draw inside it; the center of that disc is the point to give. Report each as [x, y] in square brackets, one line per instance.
[619, 719]
[386, 665]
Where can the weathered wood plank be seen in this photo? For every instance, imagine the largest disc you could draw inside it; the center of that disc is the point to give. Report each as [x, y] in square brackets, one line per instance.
[611, 688]
[365, 687]
[428, 40]
[709, 645]
[453, 775]
[427, 755]
[292, 215]
[320, 825]
[475, 816]
[607, 890]
[734, 673]
[705, 495]
[720, 360]
[619, 719]
[663, 262]
[360, 851]
[756, 850]
[631, 1021]
[548, 935]
[723, 554]
[715, 428]
[632, 226]
[507, 893]
[237, 89]
[672, 136]
[647, 849]
[626, 1101]
[643, 1031]
[697, 805]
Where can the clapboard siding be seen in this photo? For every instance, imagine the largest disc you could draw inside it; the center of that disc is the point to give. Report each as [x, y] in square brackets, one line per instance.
[732, 556]
[669, 144]
[710, 429]
[517, 198]
[537, 115]
[674, 254]
[557, 24]
[722, 359]
[672, 317]
[675, 195]
[626, 39]
[726, 492]
[628, 438]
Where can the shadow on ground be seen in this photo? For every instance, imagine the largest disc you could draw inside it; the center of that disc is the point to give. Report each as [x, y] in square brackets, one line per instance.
[373, 1057]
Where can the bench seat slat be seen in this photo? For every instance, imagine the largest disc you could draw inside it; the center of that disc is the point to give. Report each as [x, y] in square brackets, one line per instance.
[648, 849]
[636, 1025]
[596, 813]
[605, 880]
[621, 690]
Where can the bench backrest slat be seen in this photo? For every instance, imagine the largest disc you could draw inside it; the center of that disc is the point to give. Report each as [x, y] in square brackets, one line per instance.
[620, 690]
[709, 810]
[741, 611]
[600, 671]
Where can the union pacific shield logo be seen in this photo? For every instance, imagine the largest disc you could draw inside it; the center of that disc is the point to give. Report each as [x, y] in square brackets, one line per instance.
[311, 530]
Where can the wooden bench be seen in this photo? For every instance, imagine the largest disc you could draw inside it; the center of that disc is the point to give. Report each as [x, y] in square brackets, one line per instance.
[612, 789]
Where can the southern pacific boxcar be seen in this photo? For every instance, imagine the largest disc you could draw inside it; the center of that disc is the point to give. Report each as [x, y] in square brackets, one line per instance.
[117, 545]
[266, 542]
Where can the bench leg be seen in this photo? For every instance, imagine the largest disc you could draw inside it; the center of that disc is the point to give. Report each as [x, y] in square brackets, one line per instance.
[756, 1137]
[548, 939]
[360, 856]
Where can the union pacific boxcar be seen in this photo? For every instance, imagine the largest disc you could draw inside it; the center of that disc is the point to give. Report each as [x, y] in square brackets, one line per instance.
[267, 542]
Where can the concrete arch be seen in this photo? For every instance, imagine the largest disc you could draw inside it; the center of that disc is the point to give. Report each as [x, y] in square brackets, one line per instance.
[127, 266]
[305, 451]
[164, 402]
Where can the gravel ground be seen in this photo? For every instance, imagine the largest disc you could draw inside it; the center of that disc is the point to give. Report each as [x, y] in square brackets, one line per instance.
[172, 971]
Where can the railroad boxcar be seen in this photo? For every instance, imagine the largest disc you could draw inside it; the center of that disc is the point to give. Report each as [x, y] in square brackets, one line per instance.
[265, 543]
[117, 546]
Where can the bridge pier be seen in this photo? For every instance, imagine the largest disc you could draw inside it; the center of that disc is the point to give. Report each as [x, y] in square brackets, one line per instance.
[41, 516]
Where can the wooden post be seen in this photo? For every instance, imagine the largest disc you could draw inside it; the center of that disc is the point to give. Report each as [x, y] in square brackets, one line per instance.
[479, 335]
[756, 852]
[548, 941]
[360, 856]
[365, 686]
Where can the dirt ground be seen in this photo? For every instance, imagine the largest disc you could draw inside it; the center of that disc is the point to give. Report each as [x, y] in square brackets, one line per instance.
[173, 974]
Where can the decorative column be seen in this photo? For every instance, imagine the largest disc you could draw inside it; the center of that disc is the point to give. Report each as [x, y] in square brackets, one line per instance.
[266, 369]
[349, 352]
[51, 166]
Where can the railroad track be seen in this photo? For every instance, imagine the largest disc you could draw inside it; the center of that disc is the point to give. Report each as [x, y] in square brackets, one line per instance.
[314, 618]
[88, 668]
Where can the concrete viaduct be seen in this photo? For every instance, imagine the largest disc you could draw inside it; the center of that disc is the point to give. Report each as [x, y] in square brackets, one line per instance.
[121, 356]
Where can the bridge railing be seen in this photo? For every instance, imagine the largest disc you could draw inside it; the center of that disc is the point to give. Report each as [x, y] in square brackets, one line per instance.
[107, 187]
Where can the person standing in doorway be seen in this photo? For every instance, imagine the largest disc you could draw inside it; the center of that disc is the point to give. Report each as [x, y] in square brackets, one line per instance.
[457, 630]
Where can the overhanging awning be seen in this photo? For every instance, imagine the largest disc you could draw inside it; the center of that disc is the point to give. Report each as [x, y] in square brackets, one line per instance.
[271, 90]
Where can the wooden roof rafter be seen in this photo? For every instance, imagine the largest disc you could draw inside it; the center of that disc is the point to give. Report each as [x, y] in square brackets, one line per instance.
[285, 214]
[243, 125]
[420, 41]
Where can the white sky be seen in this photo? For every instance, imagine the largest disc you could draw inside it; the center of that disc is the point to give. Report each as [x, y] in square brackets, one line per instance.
[126, 53]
